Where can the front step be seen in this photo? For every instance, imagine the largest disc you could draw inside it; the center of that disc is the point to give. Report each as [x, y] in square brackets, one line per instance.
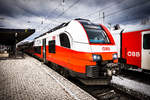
[95, 81]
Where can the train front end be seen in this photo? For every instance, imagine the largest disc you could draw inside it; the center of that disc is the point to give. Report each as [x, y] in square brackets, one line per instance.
[103, 52]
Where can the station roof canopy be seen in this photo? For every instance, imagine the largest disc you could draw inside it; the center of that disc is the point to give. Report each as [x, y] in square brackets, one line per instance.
[12, 36]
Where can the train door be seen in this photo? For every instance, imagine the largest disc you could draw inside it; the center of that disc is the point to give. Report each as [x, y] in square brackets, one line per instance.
[65, 42]
[146, 50]
[44, 50]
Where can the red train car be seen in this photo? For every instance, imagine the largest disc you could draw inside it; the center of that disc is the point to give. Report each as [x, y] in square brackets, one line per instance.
[134, 46]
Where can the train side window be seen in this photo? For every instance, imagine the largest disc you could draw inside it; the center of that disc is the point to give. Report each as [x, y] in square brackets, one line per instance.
[64, 40]
[146, 41]
[37, 49]
[52, 47]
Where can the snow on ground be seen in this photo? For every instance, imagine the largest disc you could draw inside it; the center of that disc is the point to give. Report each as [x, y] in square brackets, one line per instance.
[131, 84]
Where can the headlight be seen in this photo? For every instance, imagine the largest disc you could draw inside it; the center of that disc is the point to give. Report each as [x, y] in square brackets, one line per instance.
[115, 56]
[96, 57]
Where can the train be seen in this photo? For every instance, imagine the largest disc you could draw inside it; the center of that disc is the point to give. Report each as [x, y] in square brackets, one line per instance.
[133, 45]
[79, 49]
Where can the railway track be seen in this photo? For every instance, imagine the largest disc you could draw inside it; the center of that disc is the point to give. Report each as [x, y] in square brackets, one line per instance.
[134, 83]
[138, 76]
[111, 92]
[102, 92]
[135, 86]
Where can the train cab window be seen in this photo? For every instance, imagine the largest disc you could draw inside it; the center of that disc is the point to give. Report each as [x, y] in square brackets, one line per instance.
[52, 47]
[146, 41]
[95, 33]
[64, 40]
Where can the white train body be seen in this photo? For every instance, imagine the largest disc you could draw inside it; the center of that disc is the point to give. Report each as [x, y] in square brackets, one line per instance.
[81, 47]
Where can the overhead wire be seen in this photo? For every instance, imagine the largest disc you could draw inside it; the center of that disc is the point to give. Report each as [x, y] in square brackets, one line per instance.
[69, 8]
[127, 8]
[108, 15]
[51, 14]
[72, 5]
[100, 10]
[45, 18]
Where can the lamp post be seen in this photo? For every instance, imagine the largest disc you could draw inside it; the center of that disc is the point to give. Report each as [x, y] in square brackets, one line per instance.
[14, 48]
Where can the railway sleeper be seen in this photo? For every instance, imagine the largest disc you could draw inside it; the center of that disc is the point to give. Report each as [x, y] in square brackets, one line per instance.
[109, 95]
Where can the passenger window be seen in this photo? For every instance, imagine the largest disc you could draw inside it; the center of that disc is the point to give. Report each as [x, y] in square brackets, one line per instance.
[51, 46]
[64, 40]
[146, 41]
[37, 49]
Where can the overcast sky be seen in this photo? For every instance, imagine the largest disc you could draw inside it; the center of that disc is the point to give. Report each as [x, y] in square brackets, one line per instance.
[43, 15]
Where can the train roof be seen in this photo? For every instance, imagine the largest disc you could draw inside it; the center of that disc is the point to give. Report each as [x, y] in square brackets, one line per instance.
[136, 28]
[81, 19]
[54, 29]
[60, 26]
[131, 28]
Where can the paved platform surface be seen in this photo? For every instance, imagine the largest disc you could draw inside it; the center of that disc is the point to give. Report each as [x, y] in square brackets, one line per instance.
[29, 79]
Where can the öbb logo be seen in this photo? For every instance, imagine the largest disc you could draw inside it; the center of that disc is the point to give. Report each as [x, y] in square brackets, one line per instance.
[106, 48]
[133, 54]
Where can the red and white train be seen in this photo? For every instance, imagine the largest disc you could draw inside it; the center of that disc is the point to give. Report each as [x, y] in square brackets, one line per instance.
[82, 49]
[133, 45]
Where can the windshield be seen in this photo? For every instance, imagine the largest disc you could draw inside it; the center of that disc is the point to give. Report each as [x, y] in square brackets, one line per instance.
[95, 33]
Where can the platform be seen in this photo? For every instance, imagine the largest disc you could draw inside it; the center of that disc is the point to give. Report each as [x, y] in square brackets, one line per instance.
[133, 87]
[29, 79]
